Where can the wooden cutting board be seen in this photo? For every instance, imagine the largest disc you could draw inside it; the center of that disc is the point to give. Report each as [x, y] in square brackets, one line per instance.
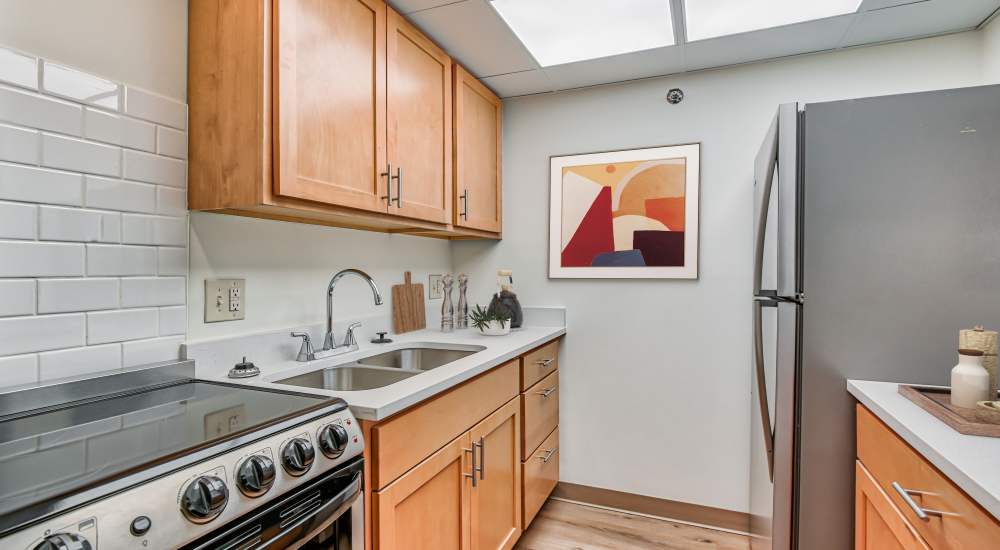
[408, 306]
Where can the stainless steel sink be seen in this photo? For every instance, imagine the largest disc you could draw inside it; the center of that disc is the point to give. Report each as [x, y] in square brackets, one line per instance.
[348, 378]
[418, 359]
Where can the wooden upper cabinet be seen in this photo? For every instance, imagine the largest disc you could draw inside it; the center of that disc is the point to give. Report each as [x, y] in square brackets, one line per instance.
[496, 499]
[478, 134]
[330, 84]
[418, 114]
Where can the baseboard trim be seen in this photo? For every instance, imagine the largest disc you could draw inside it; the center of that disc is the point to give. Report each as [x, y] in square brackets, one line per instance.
[708, 516]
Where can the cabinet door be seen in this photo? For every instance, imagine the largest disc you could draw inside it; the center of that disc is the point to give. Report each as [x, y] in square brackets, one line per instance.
[496, 498]
[428, 507]
[478, 119]
[878, 524]
[419, 123]
[329, 99]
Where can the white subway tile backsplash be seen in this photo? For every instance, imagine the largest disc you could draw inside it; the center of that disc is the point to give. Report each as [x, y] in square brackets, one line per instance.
[37, 259]
[172, 261]
[119, 130]
[153, 291]
[37, 111]
[72, 295]
[154, 169]
[111, 227]
[171, 143]
[170, 201]
[17, 297]
[173, 320]
[18, 221]
[17, 370]
[121, 325]
[122, 195]
[137, 229]
[25, 183]
[18, 144]
[108, 260]
[41, 333]
[69, 224]
[156, 108]
[170, 231]
[143, 352]
[81, 156]
[18, 69]
[79, 86]
[79, 361]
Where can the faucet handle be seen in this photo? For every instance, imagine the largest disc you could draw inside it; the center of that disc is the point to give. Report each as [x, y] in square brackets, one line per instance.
[349, 337]
[306, 352]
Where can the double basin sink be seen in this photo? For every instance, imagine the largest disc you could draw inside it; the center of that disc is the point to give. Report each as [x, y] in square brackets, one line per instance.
[381, 370]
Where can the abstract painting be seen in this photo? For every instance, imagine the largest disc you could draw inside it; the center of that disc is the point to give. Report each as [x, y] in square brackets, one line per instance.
[625, 214]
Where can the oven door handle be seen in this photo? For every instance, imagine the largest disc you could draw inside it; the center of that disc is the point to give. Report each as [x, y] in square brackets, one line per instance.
[321, 516]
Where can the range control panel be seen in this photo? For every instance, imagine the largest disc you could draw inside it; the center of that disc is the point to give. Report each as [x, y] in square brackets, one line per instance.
[173, 510]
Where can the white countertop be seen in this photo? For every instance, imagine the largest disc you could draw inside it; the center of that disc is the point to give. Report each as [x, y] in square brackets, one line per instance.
[380, 403]
[971, 462]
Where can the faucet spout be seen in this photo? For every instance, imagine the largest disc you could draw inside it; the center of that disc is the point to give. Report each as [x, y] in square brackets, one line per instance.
[329, 342]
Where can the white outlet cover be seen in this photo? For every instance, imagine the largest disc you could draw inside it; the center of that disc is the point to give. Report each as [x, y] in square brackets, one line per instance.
[225, 300]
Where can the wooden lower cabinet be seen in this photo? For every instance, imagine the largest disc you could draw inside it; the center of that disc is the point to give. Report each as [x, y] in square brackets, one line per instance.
[496, 498]
[541, 474]
[878, 524]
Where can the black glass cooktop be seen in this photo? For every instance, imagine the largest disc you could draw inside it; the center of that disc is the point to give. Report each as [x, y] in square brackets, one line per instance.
[65, 449]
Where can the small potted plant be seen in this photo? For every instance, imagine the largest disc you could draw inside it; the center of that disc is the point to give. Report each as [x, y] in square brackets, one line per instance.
[490, 323]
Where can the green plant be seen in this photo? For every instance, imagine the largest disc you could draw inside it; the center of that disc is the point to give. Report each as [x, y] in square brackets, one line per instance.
[481, 318]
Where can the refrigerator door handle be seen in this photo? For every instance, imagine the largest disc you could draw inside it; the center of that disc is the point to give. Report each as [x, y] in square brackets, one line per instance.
[765, 179]
[765, 413]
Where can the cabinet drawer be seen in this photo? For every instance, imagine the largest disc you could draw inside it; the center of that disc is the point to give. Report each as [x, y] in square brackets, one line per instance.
[541, 473]
[878, 523]
[404, 440]
[963, 526]
[539, 412]
[539, 363]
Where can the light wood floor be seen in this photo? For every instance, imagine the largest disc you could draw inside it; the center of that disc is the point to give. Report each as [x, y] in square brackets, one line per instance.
[566, 526]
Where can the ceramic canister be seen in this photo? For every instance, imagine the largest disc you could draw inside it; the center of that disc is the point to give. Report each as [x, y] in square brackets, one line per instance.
[985, 341]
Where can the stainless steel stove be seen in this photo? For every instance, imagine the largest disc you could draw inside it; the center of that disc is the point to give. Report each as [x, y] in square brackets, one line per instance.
[154, 458]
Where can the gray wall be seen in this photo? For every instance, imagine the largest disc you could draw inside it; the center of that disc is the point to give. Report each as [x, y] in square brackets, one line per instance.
[991, 51]
[655, 374]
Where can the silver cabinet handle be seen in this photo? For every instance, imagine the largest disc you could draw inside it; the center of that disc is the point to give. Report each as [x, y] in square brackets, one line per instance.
[482, 458]
[544, 362]
[547, 392]
[465, 204]
[548, 454]
[921, 512]
[399, 186]
[475, 469]
[388, 183]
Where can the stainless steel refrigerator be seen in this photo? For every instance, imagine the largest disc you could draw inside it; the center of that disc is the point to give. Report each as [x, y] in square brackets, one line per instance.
[877, 238]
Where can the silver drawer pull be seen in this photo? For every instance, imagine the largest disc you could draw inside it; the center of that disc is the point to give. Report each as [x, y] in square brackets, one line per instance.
[548, 454]
[546, 393]
[921, 512]
[544, 362]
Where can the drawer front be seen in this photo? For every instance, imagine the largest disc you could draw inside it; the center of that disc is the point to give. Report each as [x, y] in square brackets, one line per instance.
[539, 363]
[540, 413]
[963, 526]
[878, 523]
[404, 440]
[540, 474]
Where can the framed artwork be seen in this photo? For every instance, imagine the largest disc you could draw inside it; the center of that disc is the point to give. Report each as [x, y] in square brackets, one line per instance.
[625, 214]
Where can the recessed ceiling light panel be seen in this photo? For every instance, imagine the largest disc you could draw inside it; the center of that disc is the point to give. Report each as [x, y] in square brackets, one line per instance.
[557, 32]
[711, 18]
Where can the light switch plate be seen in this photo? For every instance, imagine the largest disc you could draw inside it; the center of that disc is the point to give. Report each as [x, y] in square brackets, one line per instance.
[434, 290]
[225, 300]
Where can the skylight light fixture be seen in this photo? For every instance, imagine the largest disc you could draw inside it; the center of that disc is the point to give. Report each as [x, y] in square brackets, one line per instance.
[711, 18]
[557, 32]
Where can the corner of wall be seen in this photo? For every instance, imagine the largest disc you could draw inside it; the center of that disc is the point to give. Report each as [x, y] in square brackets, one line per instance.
[991, 51]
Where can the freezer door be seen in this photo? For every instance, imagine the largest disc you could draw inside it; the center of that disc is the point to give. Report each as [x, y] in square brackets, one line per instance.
[776, 208]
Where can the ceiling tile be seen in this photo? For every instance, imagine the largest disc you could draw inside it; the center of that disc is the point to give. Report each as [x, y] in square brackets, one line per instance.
[810, 36]
[868, 5]
[408, 6]
[522, 83]
[617, 68]
[919, 19]
[475, 35]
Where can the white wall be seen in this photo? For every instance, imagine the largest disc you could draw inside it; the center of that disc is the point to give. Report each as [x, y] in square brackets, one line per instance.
[141, 42]
[991, 51]
[656, 374]
[287, 267]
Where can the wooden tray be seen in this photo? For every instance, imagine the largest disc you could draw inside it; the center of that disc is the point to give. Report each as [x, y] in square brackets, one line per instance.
[937, 401]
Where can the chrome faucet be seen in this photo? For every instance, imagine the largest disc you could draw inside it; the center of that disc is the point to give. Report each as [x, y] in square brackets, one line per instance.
[349, 343]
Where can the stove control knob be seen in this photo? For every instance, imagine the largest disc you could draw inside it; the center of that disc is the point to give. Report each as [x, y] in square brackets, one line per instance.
[64, 541]
[255, 476]
[297, 456]
[204, 499]
[333, 440]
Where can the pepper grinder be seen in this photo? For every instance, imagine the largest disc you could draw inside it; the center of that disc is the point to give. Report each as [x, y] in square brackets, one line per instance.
[462, 319]
[447, 309]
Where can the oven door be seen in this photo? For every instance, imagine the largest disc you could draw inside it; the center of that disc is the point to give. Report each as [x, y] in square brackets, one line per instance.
[327, 514]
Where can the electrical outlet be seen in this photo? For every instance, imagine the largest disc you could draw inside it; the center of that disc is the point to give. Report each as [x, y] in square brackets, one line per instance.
[225, 300]
[434, 288]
